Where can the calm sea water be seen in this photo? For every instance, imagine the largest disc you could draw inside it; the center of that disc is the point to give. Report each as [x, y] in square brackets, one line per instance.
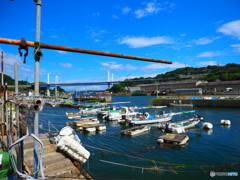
[114, 156]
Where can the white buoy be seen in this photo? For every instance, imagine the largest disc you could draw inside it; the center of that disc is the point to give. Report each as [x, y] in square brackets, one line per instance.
[207, 125]
[225, 122]
[178, 130]
[160, 140]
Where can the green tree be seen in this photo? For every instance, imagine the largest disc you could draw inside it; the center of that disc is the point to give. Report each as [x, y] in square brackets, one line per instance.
[117, 88]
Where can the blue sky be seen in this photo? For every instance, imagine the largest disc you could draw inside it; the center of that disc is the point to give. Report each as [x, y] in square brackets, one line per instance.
[192, 33]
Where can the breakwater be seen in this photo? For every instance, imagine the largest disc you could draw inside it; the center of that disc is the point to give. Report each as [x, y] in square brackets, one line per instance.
[230, 103]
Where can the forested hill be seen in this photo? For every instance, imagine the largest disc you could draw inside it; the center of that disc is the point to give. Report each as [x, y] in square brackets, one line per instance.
[228, 72]
[10, 81]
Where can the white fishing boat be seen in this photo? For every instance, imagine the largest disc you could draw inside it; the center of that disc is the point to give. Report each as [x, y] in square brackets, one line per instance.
[147, 119]
[180, 104]
[186, 124]
[73, 115]
[89, 110]
[135, 130]
[124, 113]
[104, 112]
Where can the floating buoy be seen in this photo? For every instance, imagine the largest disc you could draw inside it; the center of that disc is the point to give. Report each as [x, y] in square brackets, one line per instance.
[160, 140]
[207, 125]
[225, 122]
[178, 130]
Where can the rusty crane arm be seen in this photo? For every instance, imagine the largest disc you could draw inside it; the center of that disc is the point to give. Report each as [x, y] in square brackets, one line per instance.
[86, 51]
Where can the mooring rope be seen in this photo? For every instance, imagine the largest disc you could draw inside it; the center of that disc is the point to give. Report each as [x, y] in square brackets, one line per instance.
[166, 163]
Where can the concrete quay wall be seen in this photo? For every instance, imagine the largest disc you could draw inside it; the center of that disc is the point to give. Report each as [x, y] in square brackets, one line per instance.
[231, 103]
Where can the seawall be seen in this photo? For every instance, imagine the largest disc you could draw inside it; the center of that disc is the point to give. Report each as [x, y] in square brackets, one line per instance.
[231, 103]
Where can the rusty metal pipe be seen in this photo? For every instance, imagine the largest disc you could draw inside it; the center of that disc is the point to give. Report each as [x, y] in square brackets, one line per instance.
[86, 51]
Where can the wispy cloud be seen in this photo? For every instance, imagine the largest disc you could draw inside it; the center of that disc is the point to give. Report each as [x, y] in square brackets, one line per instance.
[210, 54]
[66, 65]
[207, 63]
[115, 66]
[148, 9]
[26, 69]
[163, 66]
[61, 52]
[205, 40]
[53, 36]
[231, 28]
[126, 10]
[236, 47]
[114, 16]
[137, 42]
[96, 33]
[96, 14]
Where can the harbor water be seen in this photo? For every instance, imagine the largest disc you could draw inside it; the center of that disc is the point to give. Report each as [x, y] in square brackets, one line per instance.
[114, 156]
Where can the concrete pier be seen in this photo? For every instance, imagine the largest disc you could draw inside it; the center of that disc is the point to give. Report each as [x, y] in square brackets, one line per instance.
[229, 103]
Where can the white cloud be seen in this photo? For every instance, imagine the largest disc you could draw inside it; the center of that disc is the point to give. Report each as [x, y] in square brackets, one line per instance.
[210, 54]
[54, 36]
[26, 69]
[137, 42]
[236, 47]
[155, 66]
[204, 40]
[67, 65]
[96, 14]
[183, 34]
[114, 16]
[61, 52]
[115, 66]
[207, 63]
[126, 10]
[149, 9]
[232, 28]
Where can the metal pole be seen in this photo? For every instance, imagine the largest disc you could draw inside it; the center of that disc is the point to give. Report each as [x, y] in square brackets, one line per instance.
[2, 62]
[3, 97]
[48, 88]
[108, 79]
[86, 51]
[56, 81]
[36, 87]
[16, 77]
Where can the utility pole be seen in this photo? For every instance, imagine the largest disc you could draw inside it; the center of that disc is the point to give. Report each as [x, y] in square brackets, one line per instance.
[37, 57]
[48, 88]
[16, 77]
[56, 82]
[108, 79]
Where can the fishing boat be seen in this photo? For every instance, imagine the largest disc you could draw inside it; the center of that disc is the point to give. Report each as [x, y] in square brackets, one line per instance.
[135, 130]
[175, 139]
[180, 104]
[73, 115]
[104, 112]
[146, 118]
[85, 121]
[124, 113]
[89, 110]
[185, 124]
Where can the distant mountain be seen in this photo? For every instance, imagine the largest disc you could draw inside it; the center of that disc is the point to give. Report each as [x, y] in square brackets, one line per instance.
[10, 81]
[228, 72]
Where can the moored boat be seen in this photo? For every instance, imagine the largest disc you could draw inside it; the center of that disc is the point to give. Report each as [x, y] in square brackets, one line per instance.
[175, 139]
[185, 124]
[147, 119]
[135, 130]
